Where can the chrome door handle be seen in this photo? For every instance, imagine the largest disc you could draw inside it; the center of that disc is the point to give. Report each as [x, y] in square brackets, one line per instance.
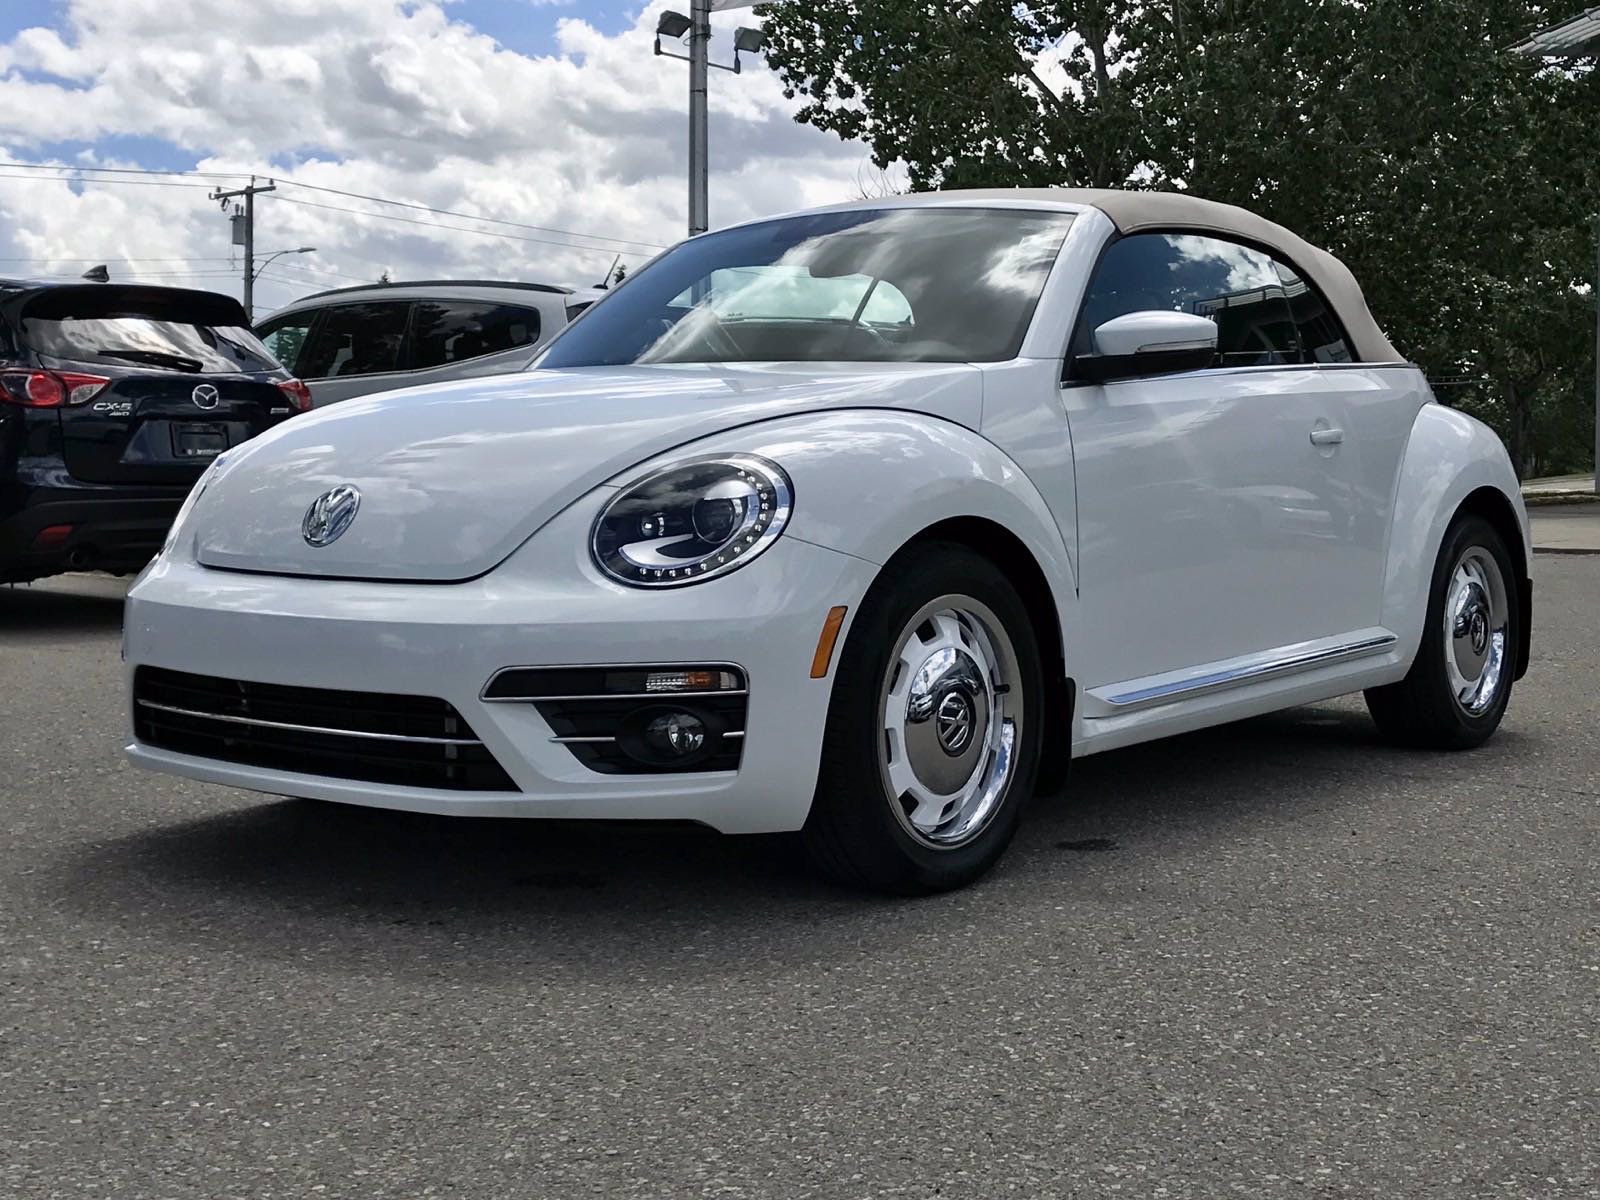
[1326, 437]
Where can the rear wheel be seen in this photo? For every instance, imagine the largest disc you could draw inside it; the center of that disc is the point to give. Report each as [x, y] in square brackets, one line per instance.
[932, 743]
[1457, 689]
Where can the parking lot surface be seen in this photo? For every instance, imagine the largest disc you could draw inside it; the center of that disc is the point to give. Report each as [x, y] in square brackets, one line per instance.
[1275, 959]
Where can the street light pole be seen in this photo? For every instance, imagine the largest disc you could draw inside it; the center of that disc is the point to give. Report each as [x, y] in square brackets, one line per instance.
[699, 134]
[696, 29]
[279, 254]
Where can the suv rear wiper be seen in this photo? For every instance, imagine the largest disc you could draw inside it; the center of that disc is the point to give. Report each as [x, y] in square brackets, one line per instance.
[156, 358]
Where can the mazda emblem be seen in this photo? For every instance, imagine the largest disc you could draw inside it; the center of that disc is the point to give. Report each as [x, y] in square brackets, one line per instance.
[205, 396]
[330, 515]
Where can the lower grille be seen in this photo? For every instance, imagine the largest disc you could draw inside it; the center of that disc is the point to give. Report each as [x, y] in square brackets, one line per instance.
[414, 741]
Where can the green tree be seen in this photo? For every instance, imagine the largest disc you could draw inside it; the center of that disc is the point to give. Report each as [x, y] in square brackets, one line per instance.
[1458, 180]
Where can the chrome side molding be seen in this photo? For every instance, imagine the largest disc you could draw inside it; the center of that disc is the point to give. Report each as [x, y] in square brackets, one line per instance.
[1216, 681]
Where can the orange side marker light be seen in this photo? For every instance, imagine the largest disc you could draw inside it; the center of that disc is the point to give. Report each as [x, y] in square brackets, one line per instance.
[823, 659]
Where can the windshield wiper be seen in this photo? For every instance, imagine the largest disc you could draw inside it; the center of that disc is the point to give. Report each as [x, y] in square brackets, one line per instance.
[156, 358]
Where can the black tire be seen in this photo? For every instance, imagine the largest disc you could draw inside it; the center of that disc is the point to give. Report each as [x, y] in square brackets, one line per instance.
[852, 834]
[1422, 710]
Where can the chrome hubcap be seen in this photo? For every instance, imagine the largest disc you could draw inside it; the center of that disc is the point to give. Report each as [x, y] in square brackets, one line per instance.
[1475, 619]
[950, 720]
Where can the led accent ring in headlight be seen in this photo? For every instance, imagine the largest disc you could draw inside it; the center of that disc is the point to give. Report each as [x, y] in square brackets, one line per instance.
[691, 521]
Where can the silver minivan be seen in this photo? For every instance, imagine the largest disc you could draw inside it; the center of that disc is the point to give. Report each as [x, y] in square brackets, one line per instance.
[377, 337]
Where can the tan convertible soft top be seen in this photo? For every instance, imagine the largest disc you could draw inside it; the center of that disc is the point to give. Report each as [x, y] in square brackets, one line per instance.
[1139, 212]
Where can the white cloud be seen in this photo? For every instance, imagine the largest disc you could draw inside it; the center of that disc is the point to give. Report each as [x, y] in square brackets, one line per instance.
[390, 98]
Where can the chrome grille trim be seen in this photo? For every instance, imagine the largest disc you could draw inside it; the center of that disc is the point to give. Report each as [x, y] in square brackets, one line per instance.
[323, 729]
[704, 693]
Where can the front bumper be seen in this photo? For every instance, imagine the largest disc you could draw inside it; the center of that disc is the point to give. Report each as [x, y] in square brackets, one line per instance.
[544, 607]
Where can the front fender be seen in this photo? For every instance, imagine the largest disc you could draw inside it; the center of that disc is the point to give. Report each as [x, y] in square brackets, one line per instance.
[868, 482]
[1448, 457]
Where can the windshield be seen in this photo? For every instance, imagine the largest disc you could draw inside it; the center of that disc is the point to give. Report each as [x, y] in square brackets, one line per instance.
[876, 285]
[144, 342]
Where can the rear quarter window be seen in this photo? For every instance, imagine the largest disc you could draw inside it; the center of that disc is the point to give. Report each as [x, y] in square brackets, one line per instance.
[447, 331]
[355, 339]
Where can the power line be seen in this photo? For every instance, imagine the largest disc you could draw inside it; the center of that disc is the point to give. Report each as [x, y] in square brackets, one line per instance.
[315, 187]
[111, 258]
[447, 212]
[127, 170]
[514, 237]
[325, 272]
[634, 247]
[98, 182]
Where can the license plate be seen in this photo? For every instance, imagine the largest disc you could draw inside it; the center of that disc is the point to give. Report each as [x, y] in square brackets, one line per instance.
[199, 443]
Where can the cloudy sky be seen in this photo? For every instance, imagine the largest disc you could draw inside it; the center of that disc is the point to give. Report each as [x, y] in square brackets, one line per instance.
[547, 113]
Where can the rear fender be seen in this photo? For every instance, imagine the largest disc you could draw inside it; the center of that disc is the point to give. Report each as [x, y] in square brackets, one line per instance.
[1448, 457]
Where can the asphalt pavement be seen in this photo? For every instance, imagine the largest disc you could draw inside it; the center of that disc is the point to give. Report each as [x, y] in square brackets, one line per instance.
[1274, 959]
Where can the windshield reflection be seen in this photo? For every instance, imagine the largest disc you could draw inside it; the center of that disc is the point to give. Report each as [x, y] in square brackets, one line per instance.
[872, 285]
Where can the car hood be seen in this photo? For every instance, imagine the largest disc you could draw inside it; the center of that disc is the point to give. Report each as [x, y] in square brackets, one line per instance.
[454, 477]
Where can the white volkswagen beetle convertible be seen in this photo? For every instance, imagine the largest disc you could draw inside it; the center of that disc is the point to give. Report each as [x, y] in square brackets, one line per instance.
[857, 523]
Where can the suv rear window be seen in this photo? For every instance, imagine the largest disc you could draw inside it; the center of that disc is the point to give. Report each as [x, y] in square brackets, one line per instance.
[144, 342]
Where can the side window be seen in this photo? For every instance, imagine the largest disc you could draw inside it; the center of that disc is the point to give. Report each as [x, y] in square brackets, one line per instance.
[285, 337]
[1322, 338]
[447, 331]
[1234, 285]
[355, 339]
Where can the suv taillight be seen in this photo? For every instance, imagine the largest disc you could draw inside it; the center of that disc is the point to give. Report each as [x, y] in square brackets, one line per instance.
[299, 394]
[50, 389]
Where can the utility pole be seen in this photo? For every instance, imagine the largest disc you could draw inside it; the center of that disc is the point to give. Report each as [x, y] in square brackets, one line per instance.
[249, 194]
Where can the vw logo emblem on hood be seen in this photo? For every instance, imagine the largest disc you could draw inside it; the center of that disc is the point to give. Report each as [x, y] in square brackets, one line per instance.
[205, 396]
[330, 515]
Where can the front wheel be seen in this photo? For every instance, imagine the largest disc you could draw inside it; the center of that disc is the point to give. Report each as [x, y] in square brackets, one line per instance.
[1457, 689]
[934, 728]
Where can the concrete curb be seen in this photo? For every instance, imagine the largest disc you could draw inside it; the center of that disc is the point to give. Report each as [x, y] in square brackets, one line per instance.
[1549, 499]
[1574, 550]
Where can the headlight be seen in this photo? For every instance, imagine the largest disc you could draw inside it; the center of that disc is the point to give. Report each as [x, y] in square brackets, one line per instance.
[691, 521]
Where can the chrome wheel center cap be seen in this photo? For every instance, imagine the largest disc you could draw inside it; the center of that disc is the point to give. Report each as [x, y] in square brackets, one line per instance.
[1479, 632]
[955, 723]
[947, 714]
[1475, 628]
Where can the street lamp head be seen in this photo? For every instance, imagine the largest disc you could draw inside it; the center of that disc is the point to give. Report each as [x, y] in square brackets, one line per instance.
[673, 24]
[750, 41]
[306, 250]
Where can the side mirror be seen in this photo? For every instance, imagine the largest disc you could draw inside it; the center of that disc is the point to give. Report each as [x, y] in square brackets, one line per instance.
[1148, 343]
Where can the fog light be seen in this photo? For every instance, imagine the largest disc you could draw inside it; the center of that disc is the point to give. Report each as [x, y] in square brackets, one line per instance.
[676, 734]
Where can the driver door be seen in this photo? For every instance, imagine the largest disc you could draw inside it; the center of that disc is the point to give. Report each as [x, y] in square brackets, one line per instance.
[1211, 525]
